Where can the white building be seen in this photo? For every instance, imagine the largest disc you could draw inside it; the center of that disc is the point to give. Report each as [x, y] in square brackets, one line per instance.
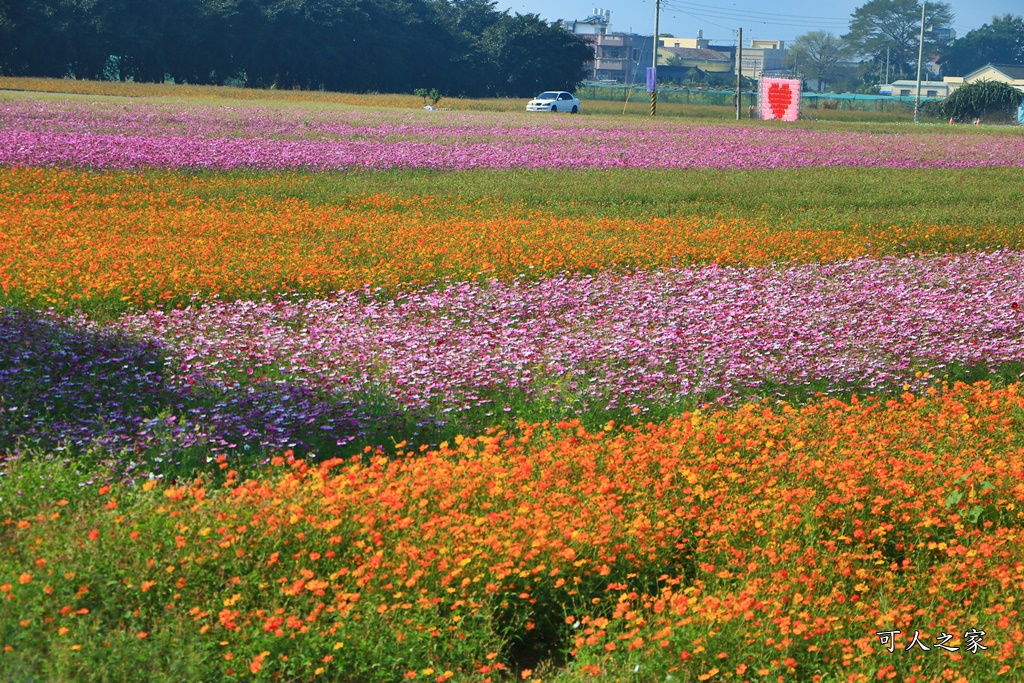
[908, 88]
[594, 25]
[762, 56]
[1012, 74]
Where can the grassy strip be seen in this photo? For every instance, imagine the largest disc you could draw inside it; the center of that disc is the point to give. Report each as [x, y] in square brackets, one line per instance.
[827, 197]
[767, 542]
[824, 198]
[637, 105]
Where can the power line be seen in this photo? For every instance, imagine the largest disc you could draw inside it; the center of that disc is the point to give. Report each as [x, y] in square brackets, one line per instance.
[705, 20]
[749, 21]
[705, 12]
[695, 5]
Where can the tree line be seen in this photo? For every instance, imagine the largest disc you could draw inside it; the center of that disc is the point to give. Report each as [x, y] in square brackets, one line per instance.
[459, 47]
[883, 43]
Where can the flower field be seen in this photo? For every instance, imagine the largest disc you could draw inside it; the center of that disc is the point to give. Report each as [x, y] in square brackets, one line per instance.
[315, 391]
[73, 239]
[305, 373]
[99, 135]
[760, 543]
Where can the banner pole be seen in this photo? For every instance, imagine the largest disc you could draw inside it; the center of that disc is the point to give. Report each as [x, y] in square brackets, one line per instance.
[654, 60]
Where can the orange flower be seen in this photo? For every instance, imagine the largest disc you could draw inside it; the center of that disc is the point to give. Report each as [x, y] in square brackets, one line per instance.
[291, 243]
[257, 663]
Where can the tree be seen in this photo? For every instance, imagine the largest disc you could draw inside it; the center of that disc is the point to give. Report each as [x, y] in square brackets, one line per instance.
[459, 47]
[433, 96]
[467, 66]
[45, 38]
[532, 56]
[1001, 42]
[149, 38]
[987, 100]
[818, 55]
[889, 31]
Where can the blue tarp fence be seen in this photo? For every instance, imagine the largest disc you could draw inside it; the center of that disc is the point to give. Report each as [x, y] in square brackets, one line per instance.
[721, 96]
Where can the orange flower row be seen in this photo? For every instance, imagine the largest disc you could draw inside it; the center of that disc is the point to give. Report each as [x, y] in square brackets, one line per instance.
[70, 238]
[776, 540]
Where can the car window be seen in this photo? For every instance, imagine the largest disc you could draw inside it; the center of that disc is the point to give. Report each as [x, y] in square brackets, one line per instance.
[547, 96]
[565, 96]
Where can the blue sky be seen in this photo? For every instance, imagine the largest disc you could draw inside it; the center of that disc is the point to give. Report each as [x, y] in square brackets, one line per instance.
[719, 19]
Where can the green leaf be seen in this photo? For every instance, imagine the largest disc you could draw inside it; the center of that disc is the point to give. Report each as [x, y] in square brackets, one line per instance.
[974, 516]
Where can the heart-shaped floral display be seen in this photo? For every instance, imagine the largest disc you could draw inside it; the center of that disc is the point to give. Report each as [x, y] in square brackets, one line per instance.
[780, 98]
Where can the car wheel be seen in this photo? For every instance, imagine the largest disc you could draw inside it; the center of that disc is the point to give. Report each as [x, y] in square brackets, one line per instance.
[554, 109]
[575, 109]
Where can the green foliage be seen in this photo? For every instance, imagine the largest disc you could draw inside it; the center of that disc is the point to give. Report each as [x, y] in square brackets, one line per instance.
[818, 55]
[1001, 42]
[465, 47]
[990, 101]
[533, 56]
[432, 96]
[892, 27]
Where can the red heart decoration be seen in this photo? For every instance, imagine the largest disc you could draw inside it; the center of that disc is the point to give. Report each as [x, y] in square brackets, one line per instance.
[779, 99]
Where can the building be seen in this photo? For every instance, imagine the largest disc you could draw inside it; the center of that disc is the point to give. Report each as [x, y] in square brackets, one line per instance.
[707, 60]
[622, 57]
[698, 43]
[1012, 74]
[618, 57]
[908, 88]
[695, 53]
[763, 56]
[594, 25]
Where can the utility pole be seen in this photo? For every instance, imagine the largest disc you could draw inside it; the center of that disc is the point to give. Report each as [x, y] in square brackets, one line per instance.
[654, 60]
[739, 74]
[920, 56]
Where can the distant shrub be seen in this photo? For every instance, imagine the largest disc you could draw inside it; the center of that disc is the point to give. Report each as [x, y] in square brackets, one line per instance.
[432, 95]
[990, 101]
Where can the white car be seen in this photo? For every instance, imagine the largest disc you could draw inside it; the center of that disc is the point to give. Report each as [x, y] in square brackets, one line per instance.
[555, 101]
